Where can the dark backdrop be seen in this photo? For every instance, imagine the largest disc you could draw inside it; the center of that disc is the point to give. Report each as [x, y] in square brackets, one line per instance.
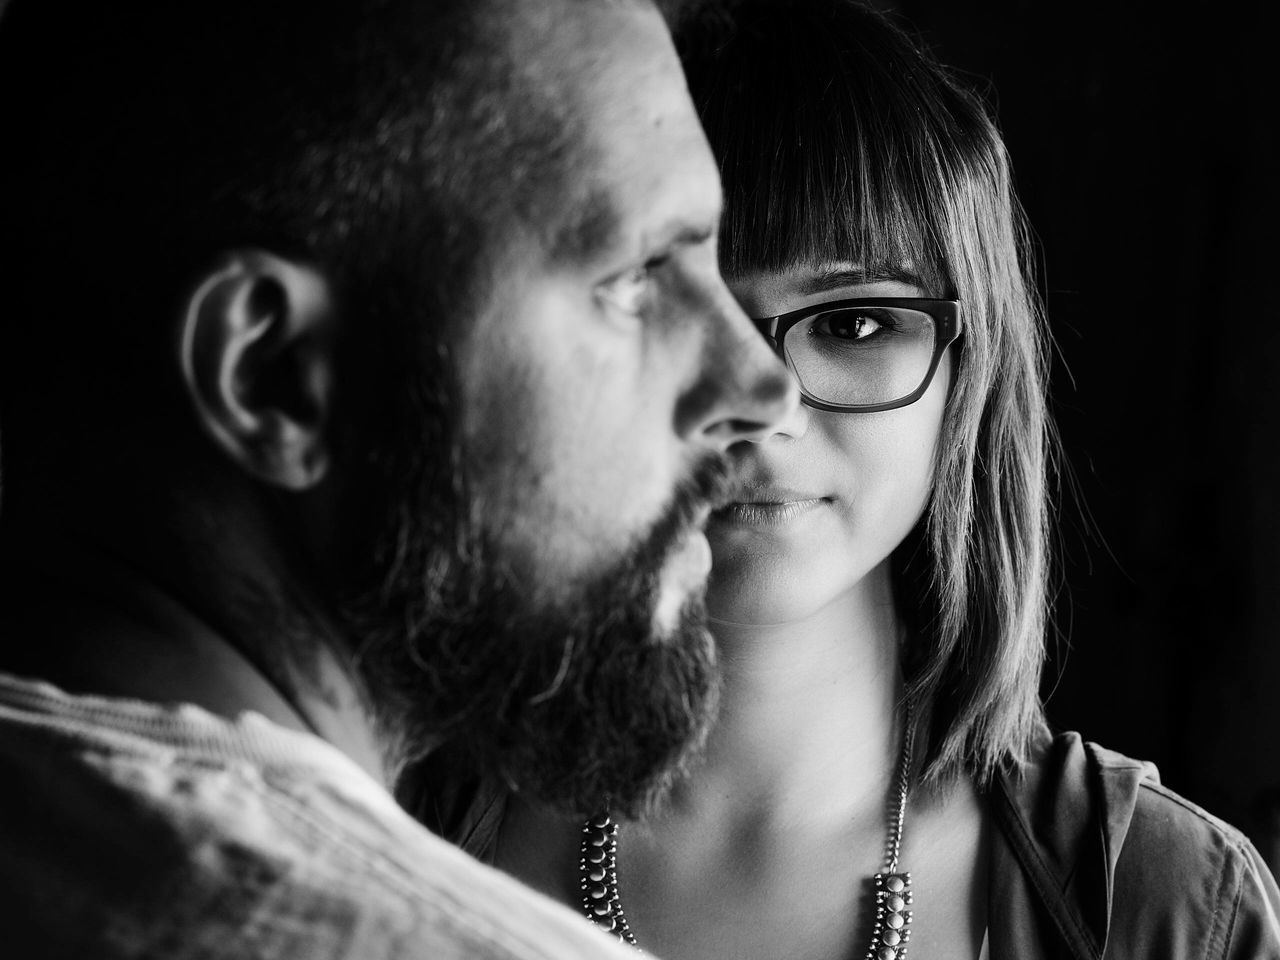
[1144, 148]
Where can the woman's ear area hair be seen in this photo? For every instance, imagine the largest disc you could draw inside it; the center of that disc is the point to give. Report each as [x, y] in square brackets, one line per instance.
[256, 353]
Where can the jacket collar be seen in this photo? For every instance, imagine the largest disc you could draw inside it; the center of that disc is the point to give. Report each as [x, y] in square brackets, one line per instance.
[1064, 816]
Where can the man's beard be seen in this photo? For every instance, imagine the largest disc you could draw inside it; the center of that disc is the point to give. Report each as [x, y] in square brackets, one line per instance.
[571, 700]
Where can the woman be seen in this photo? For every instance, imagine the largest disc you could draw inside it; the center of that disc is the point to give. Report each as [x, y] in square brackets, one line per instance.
[879, 587]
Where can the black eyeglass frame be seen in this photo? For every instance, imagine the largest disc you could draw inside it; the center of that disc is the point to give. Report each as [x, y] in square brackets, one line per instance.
[947, 323]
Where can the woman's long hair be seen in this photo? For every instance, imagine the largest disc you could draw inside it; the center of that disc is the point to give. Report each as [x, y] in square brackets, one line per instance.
[840, 139]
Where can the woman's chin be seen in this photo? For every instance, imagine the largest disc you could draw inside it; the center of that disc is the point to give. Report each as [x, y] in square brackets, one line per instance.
[750, 602]
[775, 586]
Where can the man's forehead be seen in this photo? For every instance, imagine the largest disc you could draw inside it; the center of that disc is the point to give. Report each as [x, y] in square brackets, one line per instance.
[572, 39]
[640, 172]
[600, 224]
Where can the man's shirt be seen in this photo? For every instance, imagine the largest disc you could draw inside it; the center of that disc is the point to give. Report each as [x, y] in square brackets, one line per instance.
[132, 829]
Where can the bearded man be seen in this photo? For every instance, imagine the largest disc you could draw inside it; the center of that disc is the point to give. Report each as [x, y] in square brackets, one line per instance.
[366, 376]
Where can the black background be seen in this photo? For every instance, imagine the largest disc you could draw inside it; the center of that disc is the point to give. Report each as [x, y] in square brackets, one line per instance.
[1143, 143]
[1144, 146]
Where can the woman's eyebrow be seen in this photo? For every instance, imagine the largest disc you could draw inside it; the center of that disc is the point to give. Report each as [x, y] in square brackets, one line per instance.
[853, 275]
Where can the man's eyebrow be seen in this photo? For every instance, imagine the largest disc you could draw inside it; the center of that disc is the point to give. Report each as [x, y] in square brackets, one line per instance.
[854, 276]
[594, 226]
[684, 233]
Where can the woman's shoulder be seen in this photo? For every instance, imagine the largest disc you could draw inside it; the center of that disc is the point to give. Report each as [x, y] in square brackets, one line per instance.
[1161, 822]
[1115, 857]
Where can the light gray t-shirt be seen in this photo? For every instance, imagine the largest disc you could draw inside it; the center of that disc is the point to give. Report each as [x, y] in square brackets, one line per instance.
[132, 829]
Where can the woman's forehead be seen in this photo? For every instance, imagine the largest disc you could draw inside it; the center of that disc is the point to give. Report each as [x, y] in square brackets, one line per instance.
[772, 291]
[812, 277]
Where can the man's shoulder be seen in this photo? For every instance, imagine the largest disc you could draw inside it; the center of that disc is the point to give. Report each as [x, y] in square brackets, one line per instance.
[113, 843]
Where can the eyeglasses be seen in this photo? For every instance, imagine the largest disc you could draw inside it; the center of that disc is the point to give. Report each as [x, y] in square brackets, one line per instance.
[859, 356]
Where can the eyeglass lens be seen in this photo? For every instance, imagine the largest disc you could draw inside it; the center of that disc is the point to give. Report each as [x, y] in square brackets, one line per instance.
[861, 355]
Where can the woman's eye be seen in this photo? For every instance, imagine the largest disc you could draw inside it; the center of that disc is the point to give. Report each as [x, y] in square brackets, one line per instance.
[849, 326]
[629, 291]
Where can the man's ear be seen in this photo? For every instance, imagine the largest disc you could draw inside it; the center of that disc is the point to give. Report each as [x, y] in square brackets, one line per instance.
[257, 360]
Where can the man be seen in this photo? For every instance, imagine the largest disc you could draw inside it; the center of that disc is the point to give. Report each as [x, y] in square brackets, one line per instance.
[365, 376]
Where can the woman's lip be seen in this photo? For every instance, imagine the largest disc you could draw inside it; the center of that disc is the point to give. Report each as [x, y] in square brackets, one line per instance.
[771, 492]
[766, 513]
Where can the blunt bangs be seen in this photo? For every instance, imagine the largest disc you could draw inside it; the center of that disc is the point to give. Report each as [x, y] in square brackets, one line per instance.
[828, 150]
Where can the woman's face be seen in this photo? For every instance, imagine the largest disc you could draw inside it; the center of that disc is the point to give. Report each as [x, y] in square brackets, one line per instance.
[835, 492]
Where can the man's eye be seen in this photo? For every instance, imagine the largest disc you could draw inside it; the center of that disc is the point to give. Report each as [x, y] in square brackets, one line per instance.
[629, 291]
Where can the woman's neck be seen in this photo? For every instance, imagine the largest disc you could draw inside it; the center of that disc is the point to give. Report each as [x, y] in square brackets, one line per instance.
[767, 849]
[808, 726]
[788, 810]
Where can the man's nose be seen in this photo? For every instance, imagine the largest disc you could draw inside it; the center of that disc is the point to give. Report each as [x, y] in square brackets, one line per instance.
[743, 390]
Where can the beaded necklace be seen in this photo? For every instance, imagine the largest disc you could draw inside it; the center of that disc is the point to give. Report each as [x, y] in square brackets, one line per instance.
[601, 903]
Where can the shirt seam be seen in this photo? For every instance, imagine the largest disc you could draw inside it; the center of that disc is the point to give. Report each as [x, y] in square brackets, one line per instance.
[1229, 834]
[388, 872]
[1235, 907]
